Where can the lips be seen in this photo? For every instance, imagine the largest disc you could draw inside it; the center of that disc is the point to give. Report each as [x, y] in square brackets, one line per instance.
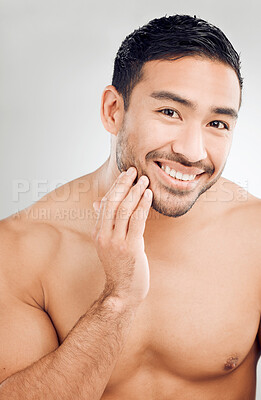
[176, 183]
[179, 167]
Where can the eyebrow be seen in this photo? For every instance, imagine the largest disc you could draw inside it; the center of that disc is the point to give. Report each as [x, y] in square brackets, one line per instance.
[165, 95]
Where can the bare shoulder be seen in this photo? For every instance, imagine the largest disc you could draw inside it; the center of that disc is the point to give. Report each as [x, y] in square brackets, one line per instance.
[26, 249]
[241, 204]
[48, 246]
[242, 220]
[48, 260]
[25, 329]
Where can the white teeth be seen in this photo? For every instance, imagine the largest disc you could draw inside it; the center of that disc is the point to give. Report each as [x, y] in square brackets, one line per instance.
[185, 177]
[172, 173]
[167, 169]
[177, 175]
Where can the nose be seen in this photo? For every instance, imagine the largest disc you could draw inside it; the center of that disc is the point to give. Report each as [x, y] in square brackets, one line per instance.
[190, 144]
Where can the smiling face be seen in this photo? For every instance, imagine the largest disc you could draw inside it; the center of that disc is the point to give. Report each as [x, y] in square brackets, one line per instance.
[178, 129]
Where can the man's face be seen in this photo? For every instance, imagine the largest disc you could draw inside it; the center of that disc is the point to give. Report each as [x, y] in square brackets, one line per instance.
[175, 130]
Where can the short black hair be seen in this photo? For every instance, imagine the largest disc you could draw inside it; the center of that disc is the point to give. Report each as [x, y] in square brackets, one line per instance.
[170, 38]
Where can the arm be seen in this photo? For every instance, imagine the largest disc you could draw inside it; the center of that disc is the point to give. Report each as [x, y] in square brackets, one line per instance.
[81, 367]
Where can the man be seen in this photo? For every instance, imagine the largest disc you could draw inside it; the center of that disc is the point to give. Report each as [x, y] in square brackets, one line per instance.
[156, 294]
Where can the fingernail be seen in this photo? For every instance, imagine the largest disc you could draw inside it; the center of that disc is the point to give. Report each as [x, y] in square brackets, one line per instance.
[144, 179]
[130, 171]
[148, 193]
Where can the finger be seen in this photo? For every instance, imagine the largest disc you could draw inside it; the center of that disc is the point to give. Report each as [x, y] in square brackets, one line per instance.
[138, 218]
[102, 204]
[114, 198]
[98, 207]
[128, 206]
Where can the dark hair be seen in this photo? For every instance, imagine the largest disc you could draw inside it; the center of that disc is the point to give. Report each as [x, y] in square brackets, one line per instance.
[169, 38]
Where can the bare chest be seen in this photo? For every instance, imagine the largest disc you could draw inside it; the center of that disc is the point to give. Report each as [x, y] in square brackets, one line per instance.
[196, 327]
[199, 320]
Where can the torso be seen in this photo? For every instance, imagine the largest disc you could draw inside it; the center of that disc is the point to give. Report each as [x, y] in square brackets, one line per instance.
[195, 335]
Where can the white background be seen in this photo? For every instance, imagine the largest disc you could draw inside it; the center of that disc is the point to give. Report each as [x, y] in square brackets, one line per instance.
[56, 58]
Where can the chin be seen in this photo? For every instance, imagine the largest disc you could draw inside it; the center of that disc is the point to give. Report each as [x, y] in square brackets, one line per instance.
[179, 203]
[177, 211]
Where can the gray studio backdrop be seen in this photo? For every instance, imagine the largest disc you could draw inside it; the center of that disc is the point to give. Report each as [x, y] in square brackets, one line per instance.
[56, 58]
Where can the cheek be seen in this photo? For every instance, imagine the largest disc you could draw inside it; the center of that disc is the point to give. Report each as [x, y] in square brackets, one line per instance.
[153, 134]
[218, 149]
[146, 134]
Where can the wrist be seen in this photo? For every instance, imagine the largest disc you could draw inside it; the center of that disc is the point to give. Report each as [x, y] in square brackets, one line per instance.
[118, 301]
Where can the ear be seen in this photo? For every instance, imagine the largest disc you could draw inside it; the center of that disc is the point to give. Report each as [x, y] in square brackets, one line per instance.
[112, 109]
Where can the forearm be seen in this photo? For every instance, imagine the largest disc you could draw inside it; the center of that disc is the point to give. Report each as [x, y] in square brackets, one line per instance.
[81, 367]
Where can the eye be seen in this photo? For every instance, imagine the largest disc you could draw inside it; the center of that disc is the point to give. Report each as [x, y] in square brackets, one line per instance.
[219, 125]
[169, 112]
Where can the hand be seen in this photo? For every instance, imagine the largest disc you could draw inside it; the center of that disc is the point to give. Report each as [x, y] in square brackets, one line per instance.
[118, 237]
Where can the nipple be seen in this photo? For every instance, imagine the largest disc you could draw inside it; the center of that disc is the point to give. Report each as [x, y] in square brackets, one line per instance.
[231, 363]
